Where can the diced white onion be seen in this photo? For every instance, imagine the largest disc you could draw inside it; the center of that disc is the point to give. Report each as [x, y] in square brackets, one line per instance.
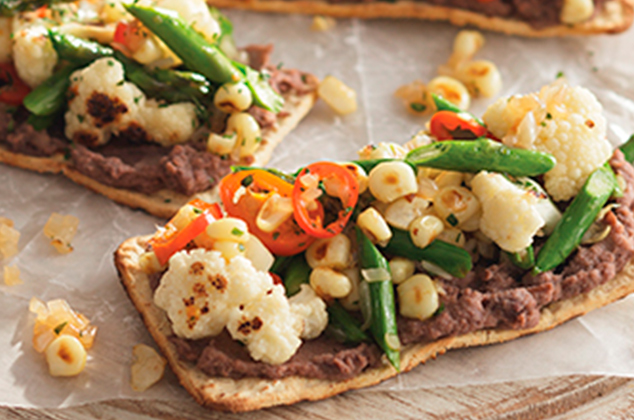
[375, 274]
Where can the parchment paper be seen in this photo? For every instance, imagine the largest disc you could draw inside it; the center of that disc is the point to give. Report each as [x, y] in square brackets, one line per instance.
[374, 58]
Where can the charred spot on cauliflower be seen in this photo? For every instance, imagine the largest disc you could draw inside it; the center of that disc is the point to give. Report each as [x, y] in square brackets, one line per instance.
[103, 105]
[564, 121]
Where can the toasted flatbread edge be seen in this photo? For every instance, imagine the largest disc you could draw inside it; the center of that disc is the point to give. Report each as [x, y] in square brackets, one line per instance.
[255, 393]
[165, 203]
[616, 16]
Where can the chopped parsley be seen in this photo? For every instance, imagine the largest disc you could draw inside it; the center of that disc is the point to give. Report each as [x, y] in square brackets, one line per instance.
[60, 327]
[452, 220]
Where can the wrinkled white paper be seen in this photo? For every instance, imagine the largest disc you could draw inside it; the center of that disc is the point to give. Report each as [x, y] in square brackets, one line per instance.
[374, 58]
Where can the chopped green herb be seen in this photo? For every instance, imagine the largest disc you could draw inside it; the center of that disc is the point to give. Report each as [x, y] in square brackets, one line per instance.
[248, 180]
[452, 220]
[559, 75]
[440, 309]
[236, 232]
[418, 107]
[60, 327]
[276, 235]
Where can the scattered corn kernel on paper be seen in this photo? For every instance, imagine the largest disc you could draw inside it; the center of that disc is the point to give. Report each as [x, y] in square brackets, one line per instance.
[374, 58]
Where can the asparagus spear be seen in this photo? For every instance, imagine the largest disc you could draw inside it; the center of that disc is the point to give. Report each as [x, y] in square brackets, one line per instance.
[481, 155]
[576, 220]
[50, 97]
[170, 85]
[383, 313]
[296, 274]
[205, 58]
[343, 326]
[454, 260]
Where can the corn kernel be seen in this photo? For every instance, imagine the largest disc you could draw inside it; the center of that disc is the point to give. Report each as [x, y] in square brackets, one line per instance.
[401, 269]
[389, 181]
[147, 369]
[425, 229]
[418, 297]
[66, 356]
[374, 226]
[341, 98]
[328, 283]
[332, 252]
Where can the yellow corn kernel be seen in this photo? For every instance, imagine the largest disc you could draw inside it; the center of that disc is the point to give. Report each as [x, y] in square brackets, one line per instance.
[425, 229]
[452, 90]
[65, 356]
[328, 283]
[418, 297]
[341, 98]
[401, 269]
[229, 249]
[147, 369]
[481, 77]
[322, 23]
[248, 131]
[233, 97]
[456, 205]
[374, 226]
[576, 11]
[332, 252]
[352, 301]
[402, 212]
[359, 173]
[449, 179]
[229, 229]
[389, 181]
[221, 144]
[427, 187]
[453, 236]
[415, 98]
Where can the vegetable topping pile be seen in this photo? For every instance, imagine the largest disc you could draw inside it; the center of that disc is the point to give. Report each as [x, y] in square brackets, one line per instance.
[361, 244]
[149, 70]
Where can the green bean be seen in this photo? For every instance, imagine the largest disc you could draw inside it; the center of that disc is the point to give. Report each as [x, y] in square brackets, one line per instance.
[283, 175]
[50, 97]
[444, 105]
[170, 85]
[452, 259]
[576, 220]
[203, 57]
[382, 318]
[628, 149]
[296, 274]
[40, 123]
[279, 265]
[524, 259]
[343, 326]
[481, 155]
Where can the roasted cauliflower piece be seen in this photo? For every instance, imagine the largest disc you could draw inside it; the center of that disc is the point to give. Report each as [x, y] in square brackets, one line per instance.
[33, 53]
[509, 213]
[103, 104]
[559, 119]
[311, 309]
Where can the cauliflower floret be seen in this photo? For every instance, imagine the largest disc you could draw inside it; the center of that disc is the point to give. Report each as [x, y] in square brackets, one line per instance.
[562, 120]
[195, 12]
[200, 290]
[33, 52]
[509, 213]
[311, 310]
[104, 105]
[5, 40]
[268, 327]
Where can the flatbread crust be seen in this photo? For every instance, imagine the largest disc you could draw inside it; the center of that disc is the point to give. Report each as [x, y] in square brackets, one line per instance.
[616, 16]
[165, 203]
[255, 393]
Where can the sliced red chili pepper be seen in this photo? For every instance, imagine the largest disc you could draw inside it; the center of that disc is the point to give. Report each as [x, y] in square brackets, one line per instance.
[12, 88]
[276, 279]
[130, 35]
[165, 247]
[448, 125]
[259, 185]
[346, 190]
[213, 208]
